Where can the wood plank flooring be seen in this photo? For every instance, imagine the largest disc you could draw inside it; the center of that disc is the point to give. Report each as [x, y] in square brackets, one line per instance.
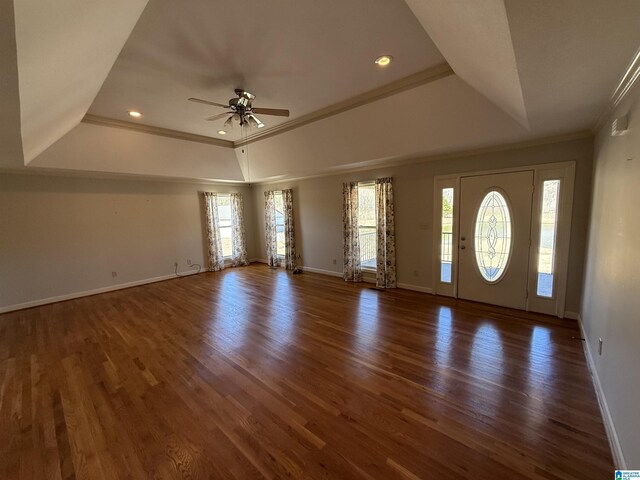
[255, 373]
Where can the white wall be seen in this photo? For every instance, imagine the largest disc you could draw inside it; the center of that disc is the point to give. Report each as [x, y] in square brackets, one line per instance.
[124, 151]
[611, 306]
[318, 210]
[64, 235]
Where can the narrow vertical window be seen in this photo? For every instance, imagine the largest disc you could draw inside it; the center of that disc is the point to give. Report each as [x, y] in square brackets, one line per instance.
[446, 235]
[548, 232]
[224, 220]
[279, 206]
[367, 224]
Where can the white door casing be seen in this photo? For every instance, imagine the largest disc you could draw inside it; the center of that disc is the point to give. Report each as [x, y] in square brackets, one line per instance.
[493, 266]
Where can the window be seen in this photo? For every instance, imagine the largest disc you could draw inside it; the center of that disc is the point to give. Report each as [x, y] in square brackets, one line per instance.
[548, 232]
[280, 239]
[493, 236]
[446, 235]
[224, 221]
[367, 224]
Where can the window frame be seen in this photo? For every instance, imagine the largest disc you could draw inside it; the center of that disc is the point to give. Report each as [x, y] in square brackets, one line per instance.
[279, 193]
[368, 184]
[230, 226]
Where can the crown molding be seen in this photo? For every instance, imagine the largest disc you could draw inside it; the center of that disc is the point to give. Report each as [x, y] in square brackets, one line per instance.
[417, 159]
[282, 179]
[135, 177]
[624, 86]
[406, 83]
[412, 81]
[163, 132]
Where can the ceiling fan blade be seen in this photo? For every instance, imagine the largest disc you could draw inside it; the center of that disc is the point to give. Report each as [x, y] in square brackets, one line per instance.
[279, 112]
[208, 103]
[216, 117]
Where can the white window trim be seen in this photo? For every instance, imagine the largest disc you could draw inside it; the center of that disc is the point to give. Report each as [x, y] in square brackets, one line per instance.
[278, 255]
[368, 270]
[227, 258]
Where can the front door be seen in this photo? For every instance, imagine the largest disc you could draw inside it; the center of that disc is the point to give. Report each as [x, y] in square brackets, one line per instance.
[494, 238]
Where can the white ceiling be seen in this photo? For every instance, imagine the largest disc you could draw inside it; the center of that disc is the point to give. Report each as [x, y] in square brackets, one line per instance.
[302, 55]
[483, 56]
[65, 49]
[525, 70]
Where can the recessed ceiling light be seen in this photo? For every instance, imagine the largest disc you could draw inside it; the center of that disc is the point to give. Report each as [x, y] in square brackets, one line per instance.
[134, 113]
[384, 60]
[222, 132]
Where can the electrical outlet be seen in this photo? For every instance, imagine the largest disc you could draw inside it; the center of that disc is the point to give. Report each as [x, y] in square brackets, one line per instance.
[114, 274]
[188, 261]
[599, 346]
[334, 261]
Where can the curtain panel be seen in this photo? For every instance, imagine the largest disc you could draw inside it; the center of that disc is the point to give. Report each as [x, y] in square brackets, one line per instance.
[270, 217]
[270, 229]
[214, 243]
[238, 238]
[386, 236]
[352, 270]
[289, 231]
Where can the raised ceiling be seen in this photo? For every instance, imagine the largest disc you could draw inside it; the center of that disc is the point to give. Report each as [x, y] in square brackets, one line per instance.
[523, 70]
[302, 55]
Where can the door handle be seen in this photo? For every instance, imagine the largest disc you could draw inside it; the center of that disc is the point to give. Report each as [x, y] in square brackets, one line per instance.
[463, 238]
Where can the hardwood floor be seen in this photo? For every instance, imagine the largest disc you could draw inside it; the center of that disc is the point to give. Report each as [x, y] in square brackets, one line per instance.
[252, 373]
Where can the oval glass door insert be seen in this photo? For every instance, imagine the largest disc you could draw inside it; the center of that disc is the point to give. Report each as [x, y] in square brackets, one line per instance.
[492, 237]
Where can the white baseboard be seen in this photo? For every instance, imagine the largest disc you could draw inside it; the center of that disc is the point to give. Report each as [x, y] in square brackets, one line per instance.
[612, 435]
[415, 288]
[572, 315]
[321, 271]
[368, 279]
[258, 260]
[95, 291]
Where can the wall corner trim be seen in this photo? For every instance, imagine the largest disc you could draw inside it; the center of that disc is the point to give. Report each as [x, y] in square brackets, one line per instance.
[612, 435]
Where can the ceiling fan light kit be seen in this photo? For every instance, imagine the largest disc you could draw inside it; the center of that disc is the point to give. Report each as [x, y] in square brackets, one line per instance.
[242, 110]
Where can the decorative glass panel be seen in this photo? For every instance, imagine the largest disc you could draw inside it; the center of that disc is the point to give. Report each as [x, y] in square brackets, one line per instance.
[548, 230]
[492, 237]
[446, 251]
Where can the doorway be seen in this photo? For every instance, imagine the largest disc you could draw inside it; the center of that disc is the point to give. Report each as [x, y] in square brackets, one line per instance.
[502, 237]
[494, 238]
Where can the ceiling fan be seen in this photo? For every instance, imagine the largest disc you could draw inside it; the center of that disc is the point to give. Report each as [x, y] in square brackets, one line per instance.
[241, 110]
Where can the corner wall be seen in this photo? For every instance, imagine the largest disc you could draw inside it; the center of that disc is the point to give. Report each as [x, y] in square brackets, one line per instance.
[60, 236]
[611, 305]
[318, 210]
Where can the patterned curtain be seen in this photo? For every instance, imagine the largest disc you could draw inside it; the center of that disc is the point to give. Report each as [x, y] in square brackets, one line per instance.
[214, 244]
[289, 232]
[386, 236]
[270, 229]
[351, 237]
[238, 240]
